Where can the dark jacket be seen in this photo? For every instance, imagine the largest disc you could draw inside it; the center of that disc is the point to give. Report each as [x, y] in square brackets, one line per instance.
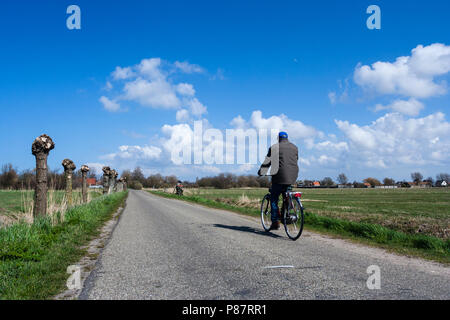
[282, 159]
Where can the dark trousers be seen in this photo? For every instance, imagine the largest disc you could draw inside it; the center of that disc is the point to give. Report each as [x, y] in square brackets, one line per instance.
[277, 189]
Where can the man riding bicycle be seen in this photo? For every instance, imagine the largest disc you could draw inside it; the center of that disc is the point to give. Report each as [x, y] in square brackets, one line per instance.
[179, 188]
[282, 158]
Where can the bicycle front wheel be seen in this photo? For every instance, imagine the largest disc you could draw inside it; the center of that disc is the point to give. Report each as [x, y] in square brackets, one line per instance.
[294, 219]
[265, 213]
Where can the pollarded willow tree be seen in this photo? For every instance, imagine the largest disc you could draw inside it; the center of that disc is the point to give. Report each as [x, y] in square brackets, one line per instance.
[41, 148]
[69, 166]
[112, 181]
[120, 185]
[84, 170]
[124, 180]
[106, 174]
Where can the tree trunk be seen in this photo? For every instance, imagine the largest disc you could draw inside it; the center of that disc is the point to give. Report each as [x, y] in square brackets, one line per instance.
[105, 183]
[40, 148]
[68, 175]
[112, 184]
[84, 186]
[69, 166]
[40, 194]
[112, 181]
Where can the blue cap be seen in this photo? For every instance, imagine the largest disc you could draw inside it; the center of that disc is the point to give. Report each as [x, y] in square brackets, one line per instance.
[283, 135]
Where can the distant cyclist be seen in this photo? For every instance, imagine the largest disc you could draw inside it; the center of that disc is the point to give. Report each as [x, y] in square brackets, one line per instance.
[179, 188]
[282, 159]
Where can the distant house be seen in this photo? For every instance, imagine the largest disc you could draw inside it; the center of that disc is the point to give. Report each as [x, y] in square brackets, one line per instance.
[91, 181]
[316, 184]
[425, 184]
[368, 185]
[404, 184]
[444, 184]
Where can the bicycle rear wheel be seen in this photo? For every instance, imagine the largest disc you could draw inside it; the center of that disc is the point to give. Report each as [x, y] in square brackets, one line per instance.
[266, 219]
[293, 220]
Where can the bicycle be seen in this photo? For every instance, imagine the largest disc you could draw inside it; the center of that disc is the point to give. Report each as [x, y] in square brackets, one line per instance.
[292, 209]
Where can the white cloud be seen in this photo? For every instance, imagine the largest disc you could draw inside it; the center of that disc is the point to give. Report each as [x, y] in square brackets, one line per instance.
[325, 160]
[150, 84]
[182, 115]
[157, 93]
[135, 153]
[393, 140]
[185, 89]
[411, 76]
[196, 107]
[109, 105]
[247, 168]
[186, 67]
[122, 73]
[295, 128]
[432, 60]
[150, 68]
[238, 122]
[411, 107]
[304, 161]
[334, 146]
[95, 167]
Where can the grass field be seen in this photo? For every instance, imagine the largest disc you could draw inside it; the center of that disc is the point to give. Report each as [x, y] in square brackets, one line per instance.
[408, 221]
[15, 205]
[34, 257]
[425, 211]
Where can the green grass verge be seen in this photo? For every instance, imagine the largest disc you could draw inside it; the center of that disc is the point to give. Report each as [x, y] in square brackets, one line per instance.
[424, 246]
[13, 201]
[34, 258]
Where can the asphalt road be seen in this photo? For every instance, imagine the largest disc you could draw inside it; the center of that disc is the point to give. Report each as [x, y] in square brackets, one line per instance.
[170, 249]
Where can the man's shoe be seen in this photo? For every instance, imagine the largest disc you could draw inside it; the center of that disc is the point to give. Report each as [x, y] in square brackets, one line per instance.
[275, 226]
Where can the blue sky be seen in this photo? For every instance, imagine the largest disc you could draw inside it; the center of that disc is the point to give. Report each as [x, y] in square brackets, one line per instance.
[309, 66]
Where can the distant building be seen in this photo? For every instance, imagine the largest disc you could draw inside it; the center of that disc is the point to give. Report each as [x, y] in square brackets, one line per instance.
[316, 184]
[91, 182]
[424, 184]
[348, 185]
[403, 184]
[368, 185]
[444, 184]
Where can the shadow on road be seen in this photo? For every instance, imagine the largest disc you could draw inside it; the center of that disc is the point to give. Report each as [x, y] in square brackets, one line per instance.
[247, 229]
